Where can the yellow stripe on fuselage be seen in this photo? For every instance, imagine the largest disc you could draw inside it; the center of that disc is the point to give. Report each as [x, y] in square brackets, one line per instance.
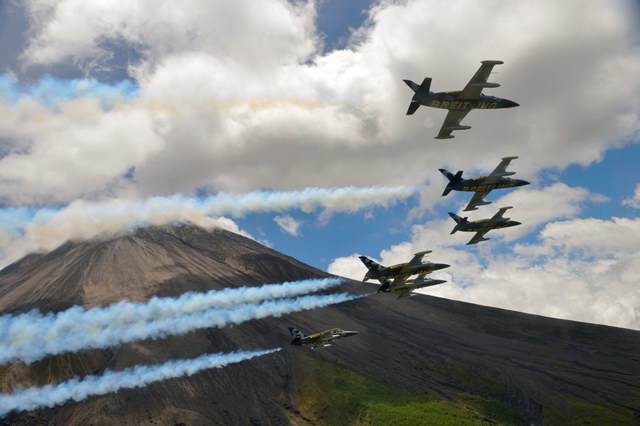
[483, 188]
[462, 105]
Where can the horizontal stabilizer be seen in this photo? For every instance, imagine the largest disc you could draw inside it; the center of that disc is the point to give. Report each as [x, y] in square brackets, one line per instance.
[444, 137]
[413, 107]
[492, 62]
[412, 85]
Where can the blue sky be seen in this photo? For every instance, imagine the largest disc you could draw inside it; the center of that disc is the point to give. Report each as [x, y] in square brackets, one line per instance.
[615, 177]
[119, 109]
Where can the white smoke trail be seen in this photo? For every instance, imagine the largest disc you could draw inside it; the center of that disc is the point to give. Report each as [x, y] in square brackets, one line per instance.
[23, 330]
[30, 338]
[141, 375]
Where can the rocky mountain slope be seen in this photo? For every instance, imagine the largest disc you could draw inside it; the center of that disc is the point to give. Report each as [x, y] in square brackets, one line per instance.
[545, 370]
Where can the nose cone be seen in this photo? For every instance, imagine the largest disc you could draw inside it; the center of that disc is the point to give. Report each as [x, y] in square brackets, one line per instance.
[514, 223]
[440, 266]
[510, 104]
[350, 333]
[520, 182]
[436, 282]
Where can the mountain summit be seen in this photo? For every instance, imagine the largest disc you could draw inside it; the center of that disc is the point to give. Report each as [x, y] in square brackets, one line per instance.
[498, 365]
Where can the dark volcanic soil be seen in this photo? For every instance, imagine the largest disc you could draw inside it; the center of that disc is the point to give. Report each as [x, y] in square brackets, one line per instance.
[539, 366]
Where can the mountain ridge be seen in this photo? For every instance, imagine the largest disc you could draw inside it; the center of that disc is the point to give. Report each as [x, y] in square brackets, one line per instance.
[538, 366]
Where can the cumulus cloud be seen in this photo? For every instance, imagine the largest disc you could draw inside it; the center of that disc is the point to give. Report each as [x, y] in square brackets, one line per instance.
[231, 93]
[634, 200]
[24, 230]
[264, 32]
[533, 207]
[288, 224]
[579, 269]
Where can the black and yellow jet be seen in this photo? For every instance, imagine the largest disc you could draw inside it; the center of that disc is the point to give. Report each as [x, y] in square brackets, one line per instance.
[319, 340]
[482, 226]
[401, 271]
[460, 102]
[482, 185]
[404, 288]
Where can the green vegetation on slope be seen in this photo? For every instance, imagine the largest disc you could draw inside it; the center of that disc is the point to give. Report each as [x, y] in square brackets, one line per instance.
[331, 395]
[578, 412]
[473, 384]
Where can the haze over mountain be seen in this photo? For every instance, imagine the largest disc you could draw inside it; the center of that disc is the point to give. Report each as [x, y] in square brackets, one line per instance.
[542, 368]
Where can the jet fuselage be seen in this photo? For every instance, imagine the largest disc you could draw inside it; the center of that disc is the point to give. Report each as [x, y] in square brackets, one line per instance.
[477, 184]
[318, 338]
[450, 101]
[402, 270]
[409, 286]
[487, 225]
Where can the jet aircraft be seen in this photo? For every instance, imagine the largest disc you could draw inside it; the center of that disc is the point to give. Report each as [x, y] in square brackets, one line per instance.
[482, 226]
[405, 288]
[319, 340]
[400, 271]
[482, 185]
[460, 102]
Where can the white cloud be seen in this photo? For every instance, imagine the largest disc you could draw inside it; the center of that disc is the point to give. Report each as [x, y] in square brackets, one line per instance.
[634, 200]
[580, 269]
[250, 32]
[237, 96]
[349, 267]
[288, 224]
[26, 230]
[533, 207]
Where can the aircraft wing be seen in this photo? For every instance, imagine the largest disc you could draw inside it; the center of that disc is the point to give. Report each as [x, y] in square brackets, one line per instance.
[323, 334]
[478, 237]
[500, 213]
[451, 123]
[474, 87]
[477, 200]
[405, 293]
[417, 258]
[499, 171]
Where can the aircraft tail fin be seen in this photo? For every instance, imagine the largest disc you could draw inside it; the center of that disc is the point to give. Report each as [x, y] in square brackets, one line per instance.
[425, 86]
[459, 221]
[453, 180]
[414, 86]
[295, 333]
[371, 265]
[422, 89]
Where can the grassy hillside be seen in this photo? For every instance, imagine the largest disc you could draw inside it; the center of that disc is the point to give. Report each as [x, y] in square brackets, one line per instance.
[329, 394]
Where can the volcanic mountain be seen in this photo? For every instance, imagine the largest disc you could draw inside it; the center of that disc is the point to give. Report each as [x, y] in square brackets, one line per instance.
[495, 365]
